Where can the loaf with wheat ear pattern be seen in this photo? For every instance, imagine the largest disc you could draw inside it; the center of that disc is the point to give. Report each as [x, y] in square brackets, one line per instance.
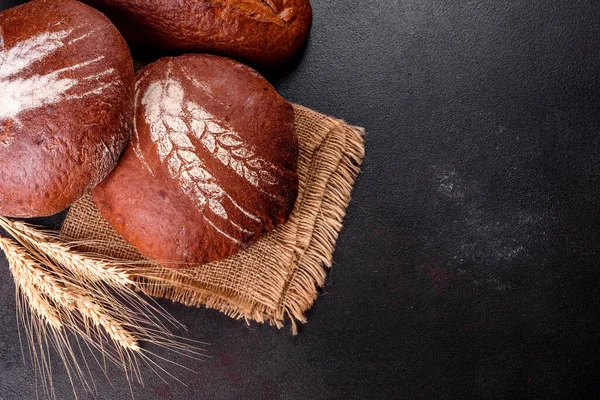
[211, 166]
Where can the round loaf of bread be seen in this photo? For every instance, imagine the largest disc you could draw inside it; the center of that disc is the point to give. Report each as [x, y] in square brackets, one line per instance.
[66, 104]
[259, 31]
[211, 166]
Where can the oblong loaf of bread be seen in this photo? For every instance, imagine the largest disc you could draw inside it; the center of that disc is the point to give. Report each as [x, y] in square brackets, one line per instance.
[259, 31]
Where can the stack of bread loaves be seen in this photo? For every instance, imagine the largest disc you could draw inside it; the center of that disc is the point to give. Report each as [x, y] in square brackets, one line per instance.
[211, 164]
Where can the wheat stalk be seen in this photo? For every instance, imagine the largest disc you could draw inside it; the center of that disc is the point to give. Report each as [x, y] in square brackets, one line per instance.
[66, 290]
[85, 266]
[37, 281]
[21, 265]
[27, 269]
[82, 267]
[101, 317]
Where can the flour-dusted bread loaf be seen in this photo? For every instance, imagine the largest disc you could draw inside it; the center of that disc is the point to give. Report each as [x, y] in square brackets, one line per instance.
[211, 166]
[259, 31]
[66, 104]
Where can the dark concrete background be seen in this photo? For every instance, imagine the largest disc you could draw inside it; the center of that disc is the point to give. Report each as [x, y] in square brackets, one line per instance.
[468, 265]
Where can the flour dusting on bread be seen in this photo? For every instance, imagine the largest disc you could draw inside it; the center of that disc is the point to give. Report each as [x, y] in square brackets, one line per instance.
[21, 92]
[171, 125]
[66, 104]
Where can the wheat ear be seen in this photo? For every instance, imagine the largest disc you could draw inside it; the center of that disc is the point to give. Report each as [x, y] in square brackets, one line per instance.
[85, 266]
[88, 295]
[32, 275]
[21, 265]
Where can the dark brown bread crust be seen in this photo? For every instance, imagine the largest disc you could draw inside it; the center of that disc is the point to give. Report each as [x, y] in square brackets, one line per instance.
[258, 31]
[66, 104]
[211, 166]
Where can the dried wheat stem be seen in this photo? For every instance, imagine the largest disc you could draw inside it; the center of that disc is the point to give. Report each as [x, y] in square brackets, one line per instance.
[92, 296]
[102, 315]
[100, 318]
[71, 296]
[20, 265]
[39, 277]
[84, 266]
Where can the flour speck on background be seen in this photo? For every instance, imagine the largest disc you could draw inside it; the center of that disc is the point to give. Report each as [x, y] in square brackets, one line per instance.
[481, 241]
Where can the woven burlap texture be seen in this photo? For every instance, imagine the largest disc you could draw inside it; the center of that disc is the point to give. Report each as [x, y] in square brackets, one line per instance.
[278, 277]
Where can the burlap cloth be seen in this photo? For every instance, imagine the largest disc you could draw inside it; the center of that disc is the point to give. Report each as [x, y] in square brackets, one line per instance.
[277, 277]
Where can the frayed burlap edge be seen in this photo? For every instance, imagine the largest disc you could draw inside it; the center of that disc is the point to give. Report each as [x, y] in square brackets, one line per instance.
[309, 261]
[310, 273]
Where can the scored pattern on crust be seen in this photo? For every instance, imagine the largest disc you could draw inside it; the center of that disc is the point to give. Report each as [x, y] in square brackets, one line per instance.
[20, 94]
[229, 148]
[172, 121]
